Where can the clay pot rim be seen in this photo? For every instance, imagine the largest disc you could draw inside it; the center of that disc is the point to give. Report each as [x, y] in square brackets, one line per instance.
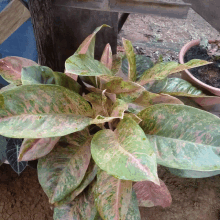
[182, 53]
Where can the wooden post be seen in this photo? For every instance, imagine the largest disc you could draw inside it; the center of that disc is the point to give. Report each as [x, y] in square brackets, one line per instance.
[60, 30]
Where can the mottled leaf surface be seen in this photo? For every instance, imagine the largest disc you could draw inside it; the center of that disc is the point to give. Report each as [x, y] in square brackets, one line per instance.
[32, 149]
[8, 87]
[112, 196]
[183, 137]
[125, 153]
[129, 50]
[88, 178]
[133, 210]
[82, 208]
[62, 171]
[11, 67]
[149, 194]
[116, 63]
[106, 58]
[147, 99]
[38, 111]
[162, 70]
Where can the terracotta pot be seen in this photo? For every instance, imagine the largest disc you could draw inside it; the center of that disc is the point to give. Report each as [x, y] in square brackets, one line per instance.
[188, 76]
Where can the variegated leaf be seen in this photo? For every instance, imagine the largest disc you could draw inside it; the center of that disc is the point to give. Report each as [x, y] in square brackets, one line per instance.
[39, 111]
[82, 208]
[99, 103]
[162, 70]
[117, 85]
[116, 63]
[149, 194]
[134, 117]
[183, 137]
[147, 99]
[32, 149]
[125, 153]
[62, 171]
[88, 178]
[106, 58]
[10, 68]
[133, 210]
[84, 65]
[180, 87]
[129, 50]
[88, 45]
[112, 196]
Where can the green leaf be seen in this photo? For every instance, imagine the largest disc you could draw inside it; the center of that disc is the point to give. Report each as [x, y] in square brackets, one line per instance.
[143, 63]
[32, 149]
[11, 67]
[183, 137]
[162, 70]
[147, 99]
[149, 194]
[39, 111]
[125, 153]
[129, 50]
[88, 45]
[133, 210]
[82, 208]
[44, 75]
[88, 178]
[193, 173]
[112, 196]
[106, 58]
[180, 87]
[37, 75]
[62, 171]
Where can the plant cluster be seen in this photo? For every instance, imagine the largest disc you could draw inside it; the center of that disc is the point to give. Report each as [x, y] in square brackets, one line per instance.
[98, 132]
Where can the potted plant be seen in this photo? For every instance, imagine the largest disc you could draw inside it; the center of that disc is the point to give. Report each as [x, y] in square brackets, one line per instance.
[206, 77]
[98, 140]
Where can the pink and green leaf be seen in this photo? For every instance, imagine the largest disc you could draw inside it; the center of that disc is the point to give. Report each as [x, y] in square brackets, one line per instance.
[11, 67]
[149, 194]
[183, 137]
[39, 111]
[112, 196]
[32, 149]
[116, 63]
[106, 58]
[125, 152]
[81, 208]
[88, 178]
[162, 70]
[62, 171]
[129, 50]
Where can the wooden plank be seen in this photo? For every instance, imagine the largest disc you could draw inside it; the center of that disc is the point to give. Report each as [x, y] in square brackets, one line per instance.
[208, 9]
[162, 8]
[60, 30]
[11, 18]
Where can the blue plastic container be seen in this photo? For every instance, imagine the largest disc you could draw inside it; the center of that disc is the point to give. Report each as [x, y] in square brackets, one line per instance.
[21, 43]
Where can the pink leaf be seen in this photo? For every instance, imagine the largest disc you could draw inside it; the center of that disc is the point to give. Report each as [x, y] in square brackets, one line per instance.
[149, 194]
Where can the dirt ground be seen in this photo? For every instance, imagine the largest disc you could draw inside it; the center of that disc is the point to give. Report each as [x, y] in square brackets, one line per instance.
[193, 199]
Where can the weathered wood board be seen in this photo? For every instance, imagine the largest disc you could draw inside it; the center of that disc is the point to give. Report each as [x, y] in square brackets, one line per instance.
[11, 18]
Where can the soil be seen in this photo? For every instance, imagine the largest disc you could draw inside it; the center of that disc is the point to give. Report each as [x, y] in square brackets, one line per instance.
[209, 74]
[193, 199]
